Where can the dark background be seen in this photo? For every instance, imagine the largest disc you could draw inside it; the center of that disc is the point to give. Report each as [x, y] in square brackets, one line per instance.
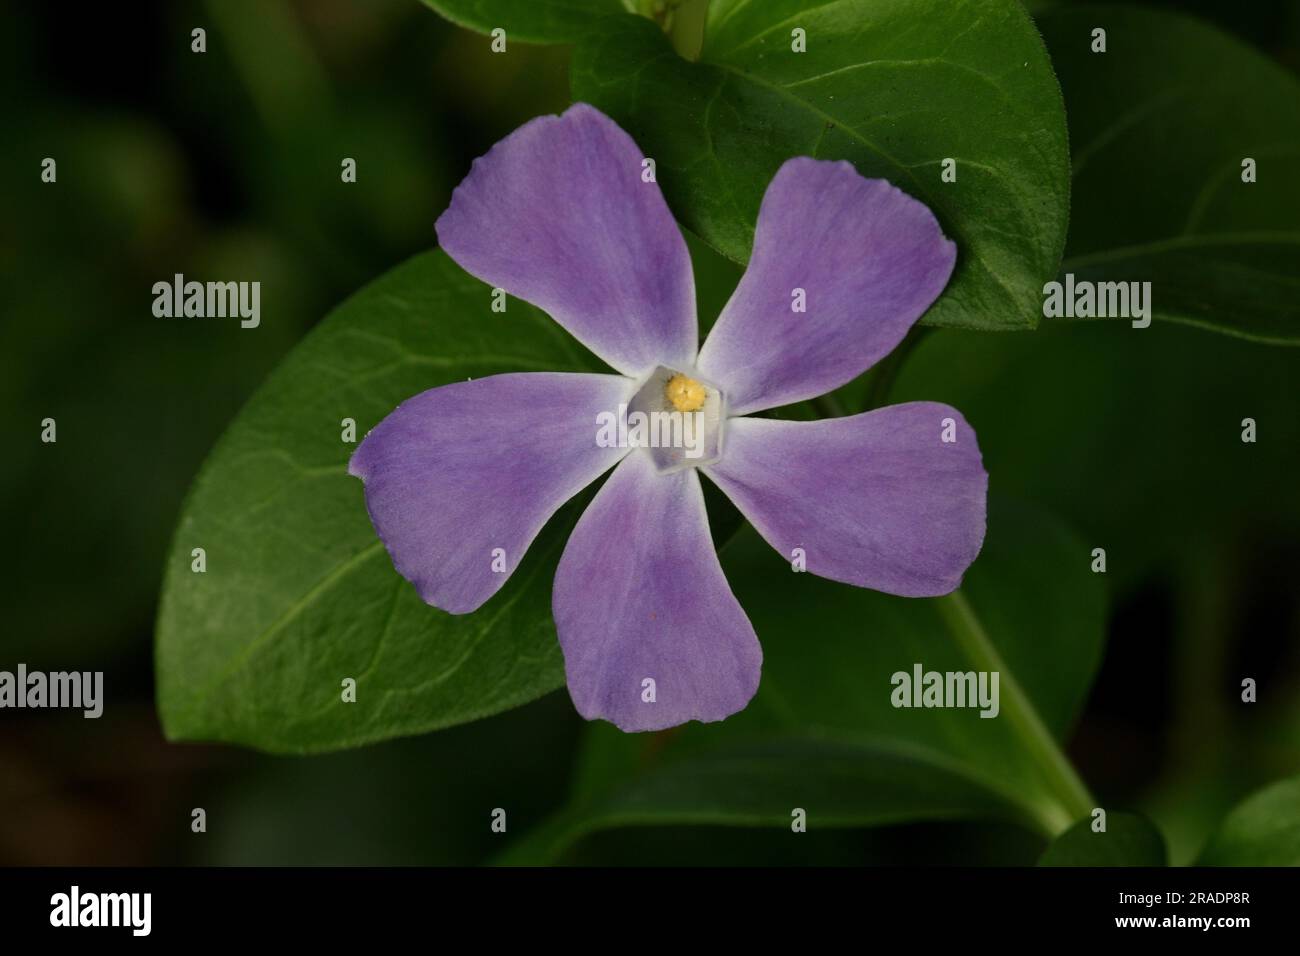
[228, 163]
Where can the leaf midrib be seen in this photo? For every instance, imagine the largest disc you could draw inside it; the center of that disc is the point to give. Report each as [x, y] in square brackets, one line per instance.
[287, 617]
[1174, 243]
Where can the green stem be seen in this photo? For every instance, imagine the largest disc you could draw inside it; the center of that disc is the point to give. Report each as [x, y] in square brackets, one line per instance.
[1076, 803]
[686, 30]
[682, 20]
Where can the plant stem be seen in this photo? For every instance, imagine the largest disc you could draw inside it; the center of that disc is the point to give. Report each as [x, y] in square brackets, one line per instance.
[682, 20]
[686, 30]
[1076, 803]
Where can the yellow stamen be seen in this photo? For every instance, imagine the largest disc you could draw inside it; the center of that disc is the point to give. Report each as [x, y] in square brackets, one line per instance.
[686, 394]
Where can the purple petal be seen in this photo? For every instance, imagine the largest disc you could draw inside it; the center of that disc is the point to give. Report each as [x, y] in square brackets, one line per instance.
[869, 259]
[640, 595]
[459, 471]
[879, 500]
[558, 215]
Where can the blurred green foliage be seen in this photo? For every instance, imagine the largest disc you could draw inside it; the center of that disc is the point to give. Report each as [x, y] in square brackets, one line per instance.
[225, 164]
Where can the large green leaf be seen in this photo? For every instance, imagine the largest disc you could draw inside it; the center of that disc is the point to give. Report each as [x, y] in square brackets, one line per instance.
[533, 21]
[763, 783]
[1159, 125]
[1128, 840]
[822, 733]
[299, 593]
[1264, 830]
[895, 86]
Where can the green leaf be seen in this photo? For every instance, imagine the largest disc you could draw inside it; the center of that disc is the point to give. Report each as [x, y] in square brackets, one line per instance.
[836, 783]
[533, 21]
[1263, 830]
[1132, 436]
[1159, 125]
[299, 593]
[894, 86]
[822, 733]
[1128, 840]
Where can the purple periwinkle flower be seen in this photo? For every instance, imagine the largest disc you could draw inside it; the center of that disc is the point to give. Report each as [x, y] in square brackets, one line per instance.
[460, 479]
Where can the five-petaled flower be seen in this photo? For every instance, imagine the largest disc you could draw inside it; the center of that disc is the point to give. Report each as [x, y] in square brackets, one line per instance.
[558, 214]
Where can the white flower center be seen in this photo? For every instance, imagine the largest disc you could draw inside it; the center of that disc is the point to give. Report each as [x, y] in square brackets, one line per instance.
[678, 419]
